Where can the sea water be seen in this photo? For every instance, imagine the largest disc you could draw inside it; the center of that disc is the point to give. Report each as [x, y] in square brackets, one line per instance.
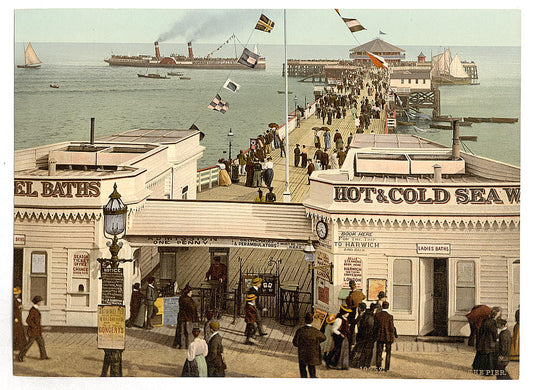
[119, 100]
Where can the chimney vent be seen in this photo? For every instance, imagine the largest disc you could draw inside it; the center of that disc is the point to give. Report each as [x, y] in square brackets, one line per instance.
[189, 45]
[157, 53]
[52, 164]
[437, 173]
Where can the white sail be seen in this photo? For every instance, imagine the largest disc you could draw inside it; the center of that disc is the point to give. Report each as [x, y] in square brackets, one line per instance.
[457, 69]
[30, 58]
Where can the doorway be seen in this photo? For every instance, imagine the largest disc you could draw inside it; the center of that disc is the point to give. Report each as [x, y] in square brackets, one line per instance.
[18, 260]
[433, 307]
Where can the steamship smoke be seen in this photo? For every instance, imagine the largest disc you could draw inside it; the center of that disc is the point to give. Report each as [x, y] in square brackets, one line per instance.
[199, 24]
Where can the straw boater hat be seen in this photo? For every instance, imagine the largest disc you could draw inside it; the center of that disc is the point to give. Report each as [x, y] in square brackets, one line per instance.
[330, 319]
[345, 308]
[17, 291]
[256, 281]
[214, 325]
[251, 297]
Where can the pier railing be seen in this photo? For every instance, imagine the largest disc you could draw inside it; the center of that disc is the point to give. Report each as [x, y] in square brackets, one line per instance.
[206, 176]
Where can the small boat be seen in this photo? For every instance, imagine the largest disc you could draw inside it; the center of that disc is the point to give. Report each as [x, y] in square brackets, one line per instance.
[442, 127]
[184, 78]
[290, 92]
[419, 130]
[175, 73]
[31, 61]
[405, 123]
[54, 86]
[152, 76]
[504, 120]
[468, 137]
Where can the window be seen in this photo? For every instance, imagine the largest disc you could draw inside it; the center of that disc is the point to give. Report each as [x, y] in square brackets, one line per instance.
[416, 81]
[409, 81]
[424, 81]
[39, 276]
[403, 81]
[184, 191]
[465, 285]
[402, 285]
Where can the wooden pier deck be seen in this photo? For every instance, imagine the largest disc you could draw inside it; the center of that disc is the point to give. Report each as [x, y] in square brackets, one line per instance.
[297, 175]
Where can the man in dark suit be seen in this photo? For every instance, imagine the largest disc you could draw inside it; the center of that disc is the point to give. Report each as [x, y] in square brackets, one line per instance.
[307, 339]
[254, 289]
[384, 332]
[215, 362]
[34, 330]
[187, 313]
[297, 155]
[352, 301]
[151, 296]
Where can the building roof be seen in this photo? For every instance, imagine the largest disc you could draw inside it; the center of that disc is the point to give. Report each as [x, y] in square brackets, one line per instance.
[396, 141]
[421, 54]
[160, 136]
[411, 73]
[274, 221]
[377, 46]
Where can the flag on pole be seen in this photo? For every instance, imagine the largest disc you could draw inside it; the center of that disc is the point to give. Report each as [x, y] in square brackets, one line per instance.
[233, 87]
[218, 104]
[382, 33]
[264, 24]
[248, 58]
[337, 11]
[353, 25]
[377, 60]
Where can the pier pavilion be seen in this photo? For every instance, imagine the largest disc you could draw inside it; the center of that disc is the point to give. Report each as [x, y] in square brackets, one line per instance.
[392, 54]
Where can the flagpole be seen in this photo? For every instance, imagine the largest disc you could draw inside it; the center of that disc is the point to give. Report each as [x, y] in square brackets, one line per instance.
[287, 193]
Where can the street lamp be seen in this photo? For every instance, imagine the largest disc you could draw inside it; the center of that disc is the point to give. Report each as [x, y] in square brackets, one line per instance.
[309, 257]
[230, 137]
[295, 102]
[112, 300]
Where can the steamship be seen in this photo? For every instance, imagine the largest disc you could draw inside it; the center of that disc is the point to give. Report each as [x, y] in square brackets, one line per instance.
[180, 61]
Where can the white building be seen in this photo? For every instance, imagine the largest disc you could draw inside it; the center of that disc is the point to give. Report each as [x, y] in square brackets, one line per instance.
[438, 233]
[59, 192]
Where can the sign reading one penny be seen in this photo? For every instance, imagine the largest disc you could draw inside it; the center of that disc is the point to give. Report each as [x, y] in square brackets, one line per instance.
[57, 189]
[112, 286]
[111, 327]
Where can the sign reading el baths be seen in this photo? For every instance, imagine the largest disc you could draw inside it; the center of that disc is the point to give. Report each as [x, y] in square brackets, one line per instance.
[57, 189]
[427, 195]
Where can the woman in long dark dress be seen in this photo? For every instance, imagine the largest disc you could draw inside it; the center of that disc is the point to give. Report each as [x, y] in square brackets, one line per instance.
[340, 355]
[19, 338]
[249, 168]
[135, 304]
[486, 360]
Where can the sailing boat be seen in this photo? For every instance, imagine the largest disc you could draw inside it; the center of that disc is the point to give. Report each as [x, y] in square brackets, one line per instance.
[31, 60]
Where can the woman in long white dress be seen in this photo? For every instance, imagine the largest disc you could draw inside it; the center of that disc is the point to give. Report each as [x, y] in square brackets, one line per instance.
[196, 357]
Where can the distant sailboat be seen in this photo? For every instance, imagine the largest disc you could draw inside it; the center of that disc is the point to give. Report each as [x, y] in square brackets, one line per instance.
[31, 60]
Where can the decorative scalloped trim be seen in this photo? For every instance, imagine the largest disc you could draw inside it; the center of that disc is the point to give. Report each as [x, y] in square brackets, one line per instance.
[466, 222]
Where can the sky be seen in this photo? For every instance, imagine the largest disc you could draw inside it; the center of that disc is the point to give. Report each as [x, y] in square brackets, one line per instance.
[306, 23]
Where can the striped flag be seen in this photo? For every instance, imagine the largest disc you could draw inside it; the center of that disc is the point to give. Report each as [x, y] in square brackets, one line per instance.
[218, 104]
[353, 25]
[264, 24]
[233, 87]
[337, 11]
[248, 58]
[377, 60]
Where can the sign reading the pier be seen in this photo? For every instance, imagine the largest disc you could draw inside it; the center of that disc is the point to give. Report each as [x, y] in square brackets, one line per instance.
[111, 327]
[57, 189]
[427, 195]
[112, 286]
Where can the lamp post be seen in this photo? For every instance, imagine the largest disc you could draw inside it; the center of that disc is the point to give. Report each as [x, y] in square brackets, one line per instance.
[112, 300]
[309, 257]
[230, 137]
[295, 102]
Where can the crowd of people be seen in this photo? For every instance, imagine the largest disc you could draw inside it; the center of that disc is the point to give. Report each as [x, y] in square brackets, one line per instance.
[354, 337]
[495, 345]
